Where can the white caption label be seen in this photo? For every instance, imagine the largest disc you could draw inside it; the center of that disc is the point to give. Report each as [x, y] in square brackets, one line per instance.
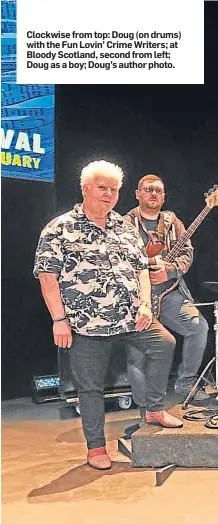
[156, 44]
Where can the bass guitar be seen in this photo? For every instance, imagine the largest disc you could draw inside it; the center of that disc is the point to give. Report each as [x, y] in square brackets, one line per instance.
[158, 291]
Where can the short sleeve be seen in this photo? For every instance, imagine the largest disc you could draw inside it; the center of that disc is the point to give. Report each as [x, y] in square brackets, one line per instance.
[49, 255]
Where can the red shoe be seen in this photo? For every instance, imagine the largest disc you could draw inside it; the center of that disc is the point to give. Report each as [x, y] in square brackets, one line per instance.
[163, 418]
[98, 458]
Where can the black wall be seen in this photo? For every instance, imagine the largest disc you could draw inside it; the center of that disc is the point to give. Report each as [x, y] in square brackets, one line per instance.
[26, 337]
[170, 130]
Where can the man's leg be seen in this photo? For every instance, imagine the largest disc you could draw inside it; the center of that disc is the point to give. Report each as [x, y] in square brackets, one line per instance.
[178, 314]
[89, 357]
[156, 344]
[149, 359]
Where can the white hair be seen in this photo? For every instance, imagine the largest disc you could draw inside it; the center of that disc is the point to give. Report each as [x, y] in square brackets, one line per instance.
[103, 168]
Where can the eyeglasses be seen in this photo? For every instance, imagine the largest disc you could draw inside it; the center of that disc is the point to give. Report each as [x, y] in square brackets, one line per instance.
[151, 189]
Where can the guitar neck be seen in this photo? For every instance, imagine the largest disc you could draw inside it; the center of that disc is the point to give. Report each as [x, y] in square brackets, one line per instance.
[187, 235]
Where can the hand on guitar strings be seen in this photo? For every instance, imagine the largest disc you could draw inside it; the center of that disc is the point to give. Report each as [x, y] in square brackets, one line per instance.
[158, 273]
[143, 317]
[159, 263]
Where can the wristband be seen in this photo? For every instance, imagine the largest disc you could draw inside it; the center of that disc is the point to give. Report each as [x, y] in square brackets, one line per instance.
[59, 319]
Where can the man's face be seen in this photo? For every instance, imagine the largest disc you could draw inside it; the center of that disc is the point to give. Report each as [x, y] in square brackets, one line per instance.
[151, 195]
[101, 194]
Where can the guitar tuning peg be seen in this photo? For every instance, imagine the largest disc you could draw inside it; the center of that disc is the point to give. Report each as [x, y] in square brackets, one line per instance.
[206, 195]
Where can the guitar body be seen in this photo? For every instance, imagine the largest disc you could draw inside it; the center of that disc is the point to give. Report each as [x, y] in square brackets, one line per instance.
[158, 291]
[154, 247]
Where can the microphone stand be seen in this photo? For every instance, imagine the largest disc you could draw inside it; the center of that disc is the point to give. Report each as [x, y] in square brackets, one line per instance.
[209, 365]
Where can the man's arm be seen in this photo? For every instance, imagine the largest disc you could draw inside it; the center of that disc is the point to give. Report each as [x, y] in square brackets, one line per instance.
[51, 294]
[144, 316]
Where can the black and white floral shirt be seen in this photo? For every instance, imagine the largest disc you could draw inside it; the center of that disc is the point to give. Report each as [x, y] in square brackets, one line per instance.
[97, 270]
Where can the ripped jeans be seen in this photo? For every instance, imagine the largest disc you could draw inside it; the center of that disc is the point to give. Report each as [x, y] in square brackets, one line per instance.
[182, 317]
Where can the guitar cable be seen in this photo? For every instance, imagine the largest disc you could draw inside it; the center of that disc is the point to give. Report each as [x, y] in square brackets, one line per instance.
[210, 416]
[212, 422]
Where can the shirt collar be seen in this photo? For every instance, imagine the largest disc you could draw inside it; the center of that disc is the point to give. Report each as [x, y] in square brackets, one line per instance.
[113, 218]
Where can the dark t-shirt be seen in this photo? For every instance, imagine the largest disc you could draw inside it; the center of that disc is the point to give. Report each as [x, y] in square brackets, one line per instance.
[150, 226]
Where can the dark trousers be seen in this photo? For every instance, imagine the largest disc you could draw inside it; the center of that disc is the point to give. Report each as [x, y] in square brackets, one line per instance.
[182, 317]
[149, 358]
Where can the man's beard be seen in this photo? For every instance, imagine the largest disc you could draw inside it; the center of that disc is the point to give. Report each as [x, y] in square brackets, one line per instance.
[151, 205]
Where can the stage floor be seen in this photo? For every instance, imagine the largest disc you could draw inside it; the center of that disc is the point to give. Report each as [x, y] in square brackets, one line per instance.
[45, 477]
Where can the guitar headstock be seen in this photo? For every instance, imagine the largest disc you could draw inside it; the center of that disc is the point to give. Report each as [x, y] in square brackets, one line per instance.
[211, 197]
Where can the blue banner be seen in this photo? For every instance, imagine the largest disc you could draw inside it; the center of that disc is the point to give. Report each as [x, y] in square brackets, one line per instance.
[27, 133]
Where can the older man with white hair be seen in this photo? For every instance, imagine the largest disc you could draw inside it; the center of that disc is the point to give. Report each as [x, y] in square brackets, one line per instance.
[95, 283]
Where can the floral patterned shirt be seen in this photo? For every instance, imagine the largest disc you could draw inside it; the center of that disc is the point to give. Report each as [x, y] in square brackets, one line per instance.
[97, 270]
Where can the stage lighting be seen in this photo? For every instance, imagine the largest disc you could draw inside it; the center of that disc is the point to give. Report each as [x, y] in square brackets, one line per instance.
[45, 388]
